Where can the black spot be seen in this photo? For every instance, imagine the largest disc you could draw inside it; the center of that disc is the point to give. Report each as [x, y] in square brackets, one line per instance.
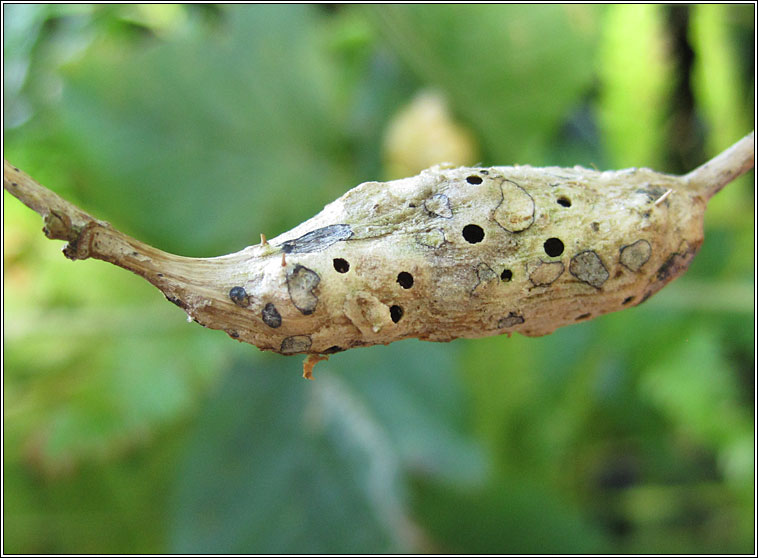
[405, 279]
[473, 233]
[14, 184]
[238, 296]
[553, 247]
[628, 299]
[396, 313]
[506, 275]
[473, 179]
[234, 334]
[583, 317]
[564, 201]
[317, 240]
[271, 316]
[595, 226]
[333, 349]
[340, 265]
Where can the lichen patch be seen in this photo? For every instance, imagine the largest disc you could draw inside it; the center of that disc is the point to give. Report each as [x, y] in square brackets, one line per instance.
[295, 344]
[588, 267]
[515, 212]
[634, 256]
[542, 274]
[301, 283]
[438, 205]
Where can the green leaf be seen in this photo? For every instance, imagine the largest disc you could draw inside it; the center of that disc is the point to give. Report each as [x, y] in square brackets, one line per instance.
[519, 518]
[324, 461]
[411, 390]
[274, 469]
[695, 388]
[495, 65]
[202, 143]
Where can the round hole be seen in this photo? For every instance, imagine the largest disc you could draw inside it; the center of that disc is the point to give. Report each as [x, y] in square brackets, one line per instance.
[506, 275]
[340, 265]
[473, 233]
[473, 179]
[553, 247]
[405, 279]
[564, 201]
[396, 313]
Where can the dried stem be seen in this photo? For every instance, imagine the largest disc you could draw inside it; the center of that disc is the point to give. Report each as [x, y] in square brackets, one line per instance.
[283, 319]
[191, 283]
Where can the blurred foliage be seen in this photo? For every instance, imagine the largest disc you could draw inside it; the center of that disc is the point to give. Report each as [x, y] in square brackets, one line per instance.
[197, 127]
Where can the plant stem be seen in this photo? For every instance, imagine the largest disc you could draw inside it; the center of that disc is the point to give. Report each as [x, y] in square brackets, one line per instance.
[709, 178]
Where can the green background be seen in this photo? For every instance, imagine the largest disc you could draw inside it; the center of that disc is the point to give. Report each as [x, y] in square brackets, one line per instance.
[196, 128]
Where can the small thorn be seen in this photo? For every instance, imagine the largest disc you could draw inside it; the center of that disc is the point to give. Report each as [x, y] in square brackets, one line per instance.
[663, 197]
[264, 242]
[284, 260]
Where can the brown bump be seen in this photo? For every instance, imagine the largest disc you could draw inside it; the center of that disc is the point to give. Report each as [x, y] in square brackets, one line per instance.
[588, 267]
[515, 212]
[634, 256]
[301, 282]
